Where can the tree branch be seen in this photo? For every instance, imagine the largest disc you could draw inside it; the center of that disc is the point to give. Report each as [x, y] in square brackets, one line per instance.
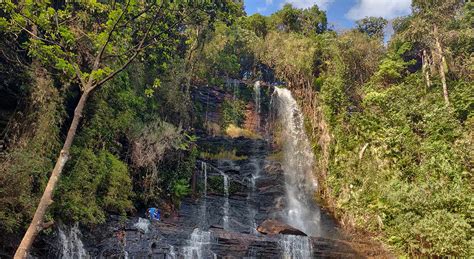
[109, 37]
[78, 74]
[139, 48]
[38, 37]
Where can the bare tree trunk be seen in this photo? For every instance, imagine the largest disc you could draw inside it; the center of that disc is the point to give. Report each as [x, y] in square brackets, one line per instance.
[426, 71]
[442, 65]
[37, 223]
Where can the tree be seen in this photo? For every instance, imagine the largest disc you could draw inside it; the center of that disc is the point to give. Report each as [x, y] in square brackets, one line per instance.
[372, 26]
[314, 20]
[429, 21]
[287, 19]
[89, 43]
[257, 23]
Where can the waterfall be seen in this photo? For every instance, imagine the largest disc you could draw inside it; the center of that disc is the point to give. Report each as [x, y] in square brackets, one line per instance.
[234, 85]
[172, 253]
[251, 209]
[297, 165]
[71, 243]
[225, 217]
[256, 88]
[203, 207]
[196, 244]
[204, 171]
[142, 225]
[296, 247]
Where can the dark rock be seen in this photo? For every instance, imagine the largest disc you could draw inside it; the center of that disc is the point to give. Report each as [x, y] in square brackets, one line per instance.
[274, 227]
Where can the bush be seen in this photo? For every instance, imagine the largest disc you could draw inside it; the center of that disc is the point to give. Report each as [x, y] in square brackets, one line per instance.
[93, 185]
[233, 112]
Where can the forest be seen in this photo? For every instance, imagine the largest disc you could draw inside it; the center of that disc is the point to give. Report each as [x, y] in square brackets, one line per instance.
[100, 118]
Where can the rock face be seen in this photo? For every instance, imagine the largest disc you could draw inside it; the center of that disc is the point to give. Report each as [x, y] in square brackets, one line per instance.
[218, 224]
[274, 227]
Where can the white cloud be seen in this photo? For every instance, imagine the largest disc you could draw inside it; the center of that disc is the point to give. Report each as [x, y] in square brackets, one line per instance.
[388, 9]
[322, 4]
[268, 2]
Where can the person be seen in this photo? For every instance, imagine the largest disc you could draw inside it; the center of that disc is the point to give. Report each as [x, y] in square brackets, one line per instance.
[153, 214]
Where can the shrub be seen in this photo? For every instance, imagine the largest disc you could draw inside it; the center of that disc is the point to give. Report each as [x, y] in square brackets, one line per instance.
[93, 185]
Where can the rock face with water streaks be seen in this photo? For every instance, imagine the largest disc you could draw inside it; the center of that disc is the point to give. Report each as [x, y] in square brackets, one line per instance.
[254, 207]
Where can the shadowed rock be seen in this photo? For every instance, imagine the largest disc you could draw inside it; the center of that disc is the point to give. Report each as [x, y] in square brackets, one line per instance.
[274, 227]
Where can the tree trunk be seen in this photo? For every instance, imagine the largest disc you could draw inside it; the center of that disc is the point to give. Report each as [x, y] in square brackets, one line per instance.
[442, 64]
[425, 66]
[36, 224]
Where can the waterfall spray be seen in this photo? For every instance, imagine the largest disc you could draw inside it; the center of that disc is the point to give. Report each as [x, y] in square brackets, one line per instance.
[71, 243]
[225, 217]
[198, 241]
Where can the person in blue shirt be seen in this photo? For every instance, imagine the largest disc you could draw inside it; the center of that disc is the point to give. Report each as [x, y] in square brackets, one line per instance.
[153, 214]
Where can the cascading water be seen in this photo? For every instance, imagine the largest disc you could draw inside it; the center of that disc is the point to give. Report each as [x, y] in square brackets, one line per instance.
[143, 225]
[203, 207]
[198, 245]
[296, 247]
[221, 225]
[297, 165]
[257, 91]
[300, 184]
[71, 243]
[225, 217]
[233, 84]
[172, 252]
[204, 171]
[253, 180]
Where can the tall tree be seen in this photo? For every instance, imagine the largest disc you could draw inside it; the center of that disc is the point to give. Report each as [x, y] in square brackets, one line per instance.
[429, 22]
[372, 26]
[314, 20]
[287, 19]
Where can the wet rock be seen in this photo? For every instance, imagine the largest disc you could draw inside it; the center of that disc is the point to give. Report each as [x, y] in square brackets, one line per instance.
[274, 227]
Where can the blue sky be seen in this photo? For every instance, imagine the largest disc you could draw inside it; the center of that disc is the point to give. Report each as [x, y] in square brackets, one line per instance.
[341, 13]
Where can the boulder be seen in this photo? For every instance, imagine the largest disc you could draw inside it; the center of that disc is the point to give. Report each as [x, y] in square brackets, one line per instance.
[274, 227]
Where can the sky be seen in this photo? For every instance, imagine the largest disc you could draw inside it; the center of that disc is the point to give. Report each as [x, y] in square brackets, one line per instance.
[342, 14]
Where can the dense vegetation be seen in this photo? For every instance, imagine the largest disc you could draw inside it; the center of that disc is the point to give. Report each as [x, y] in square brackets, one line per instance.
[392, 125]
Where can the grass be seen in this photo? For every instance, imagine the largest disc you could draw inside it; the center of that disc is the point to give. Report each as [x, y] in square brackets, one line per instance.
[235, 132]
[222, 155]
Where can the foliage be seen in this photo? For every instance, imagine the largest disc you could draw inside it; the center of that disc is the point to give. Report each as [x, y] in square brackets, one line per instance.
[93, 185]
[69, 47]
[180, 189]
[24, 170]
[236, 132]
[232, 112]
[308, 21]
[372, 26]
[222, 155]
[256, 23]
[396, 161]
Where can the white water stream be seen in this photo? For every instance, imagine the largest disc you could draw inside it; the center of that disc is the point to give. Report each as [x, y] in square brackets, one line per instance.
[71, 243]
[257, 92]
[225, 217]
[300, 183]
[197, 244]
